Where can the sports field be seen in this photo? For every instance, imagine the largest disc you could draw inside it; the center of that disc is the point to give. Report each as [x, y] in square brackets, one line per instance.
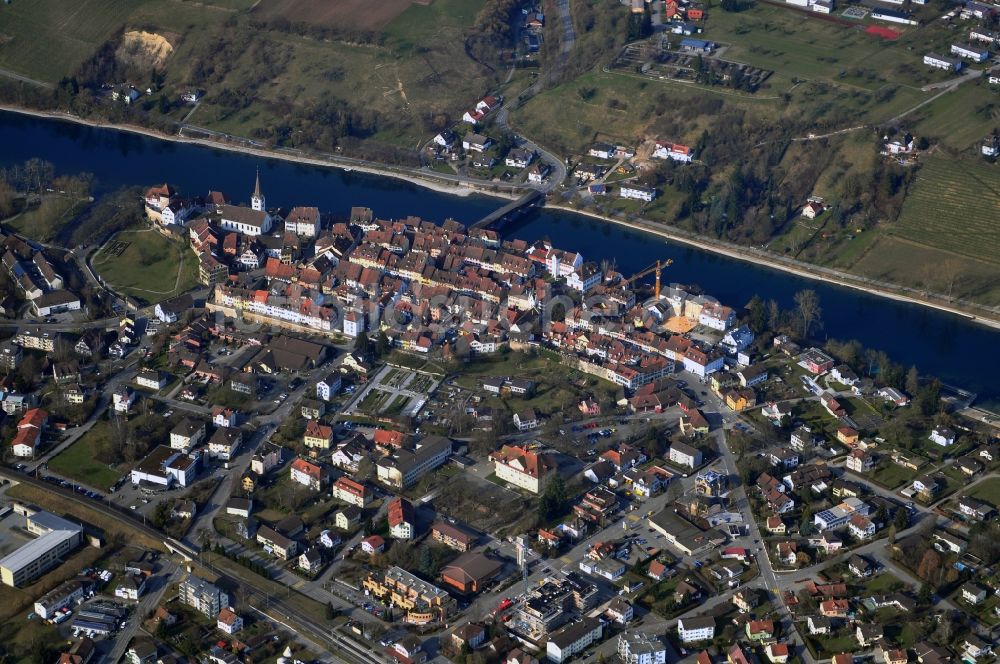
[146, 265]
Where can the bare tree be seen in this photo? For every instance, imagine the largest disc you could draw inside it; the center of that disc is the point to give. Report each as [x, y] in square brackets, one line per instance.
[810, 312]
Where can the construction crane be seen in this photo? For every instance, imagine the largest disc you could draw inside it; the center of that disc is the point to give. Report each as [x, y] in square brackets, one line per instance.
[656, 267]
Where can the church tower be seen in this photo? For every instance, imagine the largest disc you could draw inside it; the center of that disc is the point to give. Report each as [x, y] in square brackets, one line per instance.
[257, 200]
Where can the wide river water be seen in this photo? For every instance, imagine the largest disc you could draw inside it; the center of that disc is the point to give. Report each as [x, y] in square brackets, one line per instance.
[948, 346]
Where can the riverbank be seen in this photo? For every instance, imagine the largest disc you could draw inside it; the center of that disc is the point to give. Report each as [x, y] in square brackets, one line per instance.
[745, 254]
[427, 180]
[781, 264]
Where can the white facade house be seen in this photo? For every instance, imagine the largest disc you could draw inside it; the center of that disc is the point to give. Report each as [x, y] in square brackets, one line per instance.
[123, 398]
[942, 62]
[229, 621]
[970, 52]
[584, 278]
[327, 387]
[674, 151]
[573, 639]
[637, 192]
[684, 455]
[698, 628]
[943, 437]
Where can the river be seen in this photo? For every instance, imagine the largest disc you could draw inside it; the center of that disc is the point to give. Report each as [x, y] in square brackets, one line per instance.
[938, 343]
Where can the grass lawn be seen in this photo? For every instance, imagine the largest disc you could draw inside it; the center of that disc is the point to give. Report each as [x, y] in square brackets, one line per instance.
[918, 265]
[893, 475]
[988, 491]
[881, 584]
[419, 24]
[799, 45]
[150, 268]
[837, 643]
[79, 462]
[961, 118]
[44, 222]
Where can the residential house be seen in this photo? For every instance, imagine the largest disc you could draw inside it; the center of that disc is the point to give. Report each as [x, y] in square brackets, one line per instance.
[402, 522]
[696, 628]
[523, 467]
[684, 455]
[942, 436]
[351, 492]
[307, 473]
[973, 593]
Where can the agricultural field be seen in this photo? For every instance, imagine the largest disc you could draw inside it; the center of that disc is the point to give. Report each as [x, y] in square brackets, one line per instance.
[146, 265]
[960, 119]
[801, 45]
[354, 13]
[47, 39]
[944, 186]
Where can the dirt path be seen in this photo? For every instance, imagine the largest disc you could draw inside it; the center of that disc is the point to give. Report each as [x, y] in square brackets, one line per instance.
[25, 79]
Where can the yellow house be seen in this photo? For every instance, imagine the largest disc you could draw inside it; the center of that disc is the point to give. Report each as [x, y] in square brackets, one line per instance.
[847, 435]
[317, 435]
[740, 400]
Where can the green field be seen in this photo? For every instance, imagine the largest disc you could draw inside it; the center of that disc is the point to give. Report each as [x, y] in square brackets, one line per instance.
[961, 118]
[79, 462]
[47, 39]
[987, 491]
[953, 206]
[797, 44]
[151, 268]
[44, 222]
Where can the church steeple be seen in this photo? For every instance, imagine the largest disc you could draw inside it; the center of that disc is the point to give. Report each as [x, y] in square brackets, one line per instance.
[257, 200]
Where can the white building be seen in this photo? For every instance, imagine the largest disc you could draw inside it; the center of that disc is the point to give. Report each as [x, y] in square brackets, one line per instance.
[229, 621]
[943, 437]
[247, 221]
[523, 468]
[327, 387]
[697, 628]
[637, 192]
[974, 53]
[838, 515]
[187, 434]
[684, 455]
[942, 62]
[674, 151]
[639, 648]
[573, 639]
[150, 379]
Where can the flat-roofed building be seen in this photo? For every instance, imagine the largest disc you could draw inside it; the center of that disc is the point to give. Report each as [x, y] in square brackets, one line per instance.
[423, 602]
[56, 537]
[404, 467]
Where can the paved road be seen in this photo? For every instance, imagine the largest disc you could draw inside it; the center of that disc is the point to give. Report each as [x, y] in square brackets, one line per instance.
[169, 573]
